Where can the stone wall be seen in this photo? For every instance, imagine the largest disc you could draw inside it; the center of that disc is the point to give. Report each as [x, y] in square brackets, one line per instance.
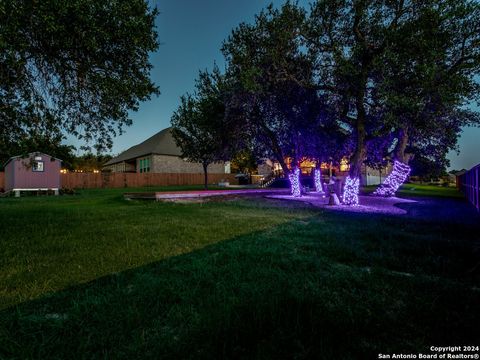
[175, 164]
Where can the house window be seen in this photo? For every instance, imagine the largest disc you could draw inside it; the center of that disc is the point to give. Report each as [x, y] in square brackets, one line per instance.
[144, 165]
[37, 166]
[344, 165]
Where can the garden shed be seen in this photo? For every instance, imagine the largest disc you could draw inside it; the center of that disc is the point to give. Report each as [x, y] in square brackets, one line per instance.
[33, 172]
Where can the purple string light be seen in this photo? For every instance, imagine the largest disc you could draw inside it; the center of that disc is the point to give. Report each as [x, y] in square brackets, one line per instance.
[393, 181]
[351, 190]
[295, 182]
[317, 176]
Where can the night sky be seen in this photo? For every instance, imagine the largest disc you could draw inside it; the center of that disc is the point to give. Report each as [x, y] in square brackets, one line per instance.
[191, 33]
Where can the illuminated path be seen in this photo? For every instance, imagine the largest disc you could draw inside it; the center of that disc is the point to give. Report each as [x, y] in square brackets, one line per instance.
[368, 204]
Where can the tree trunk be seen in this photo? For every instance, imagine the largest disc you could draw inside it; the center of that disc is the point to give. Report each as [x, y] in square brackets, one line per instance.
[282, 163]
[205, 166]
[275, 148]
[400, 170]
[352, 182]
[399, 152]
[358, 157]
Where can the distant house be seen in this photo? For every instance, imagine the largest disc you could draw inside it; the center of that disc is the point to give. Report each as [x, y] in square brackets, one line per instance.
[158, 154]
[35, 171]
[368, 175]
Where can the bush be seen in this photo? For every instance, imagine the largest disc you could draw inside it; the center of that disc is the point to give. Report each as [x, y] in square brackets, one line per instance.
[67, 191]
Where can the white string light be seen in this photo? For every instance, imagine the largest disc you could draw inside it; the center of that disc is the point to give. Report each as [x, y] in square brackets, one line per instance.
[351, 190]
[295, 182]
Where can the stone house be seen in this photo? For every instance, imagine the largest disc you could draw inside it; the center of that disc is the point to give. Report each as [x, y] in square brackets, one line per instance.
[158, 154]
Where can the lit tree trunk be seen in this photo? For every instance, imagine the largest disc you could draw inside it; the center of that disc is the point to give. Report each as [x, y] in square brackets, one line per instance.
[317, 179]
[400, 170]
[294, 178]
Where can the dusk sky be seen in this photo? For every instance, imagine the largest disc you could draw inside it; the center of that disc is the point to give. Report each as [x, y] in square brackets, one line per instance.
[191, 33]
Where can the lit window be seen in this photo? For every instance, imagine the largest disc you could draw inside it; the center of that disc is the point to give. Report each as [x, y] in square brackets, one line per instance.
[344, 166]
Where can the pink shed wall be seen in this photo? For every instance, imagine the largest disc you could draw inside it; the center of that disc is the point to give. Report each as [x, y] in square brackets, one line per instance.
[9, 183]
[19, 174]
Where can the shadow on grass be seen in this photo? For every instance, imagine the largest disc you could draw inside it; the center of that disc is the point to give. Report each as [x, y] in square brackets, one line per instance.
[304, 289]
[449, 210]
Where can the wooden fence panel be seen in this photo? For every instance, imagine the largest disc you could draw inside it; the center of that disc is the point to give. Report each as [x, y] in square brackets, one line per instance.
[470, 185]
[119, 180]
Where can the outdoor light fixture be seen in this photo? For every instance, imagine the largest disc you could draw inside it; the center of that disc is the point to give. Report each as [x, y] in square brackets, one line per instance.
[317, 176]
[393, 181]
[295, 182]
[351, 190]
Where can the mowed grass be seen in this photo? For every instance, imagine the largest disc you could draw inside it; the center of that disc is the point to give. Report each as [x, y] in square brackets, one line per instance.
[49, 243]
[413, 190]
[429, 190]
[93, 276]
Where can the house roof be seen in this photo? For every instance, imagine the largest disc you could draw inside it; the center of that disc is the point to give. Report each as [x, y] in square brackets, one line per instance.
[28, 155]
[162, 143]
[458, 172]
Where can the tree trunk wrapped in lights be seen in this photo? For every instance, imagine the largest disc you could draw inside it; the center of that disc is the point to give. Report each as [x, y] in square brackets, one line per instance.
[294, 178]
[317, 176]
[351, 190]
[393, 181]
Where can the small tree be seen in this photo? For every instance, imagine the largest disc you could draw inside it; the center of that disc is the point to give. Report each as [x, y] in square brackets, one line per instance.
[199, 126]
[90, 162]
[244, 162]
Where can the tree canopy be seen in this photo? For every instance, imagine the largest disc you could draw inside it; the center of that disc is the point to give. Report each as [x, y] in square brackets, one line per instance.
[426, 97]
[51, 145]
[399, 72]
[273, 92]
[75, 66]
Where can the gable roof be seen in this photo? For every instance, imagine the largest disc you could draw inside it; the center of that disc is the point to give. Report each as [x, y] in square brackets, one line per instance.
[162, 143]
[458, 172]
[28, 155]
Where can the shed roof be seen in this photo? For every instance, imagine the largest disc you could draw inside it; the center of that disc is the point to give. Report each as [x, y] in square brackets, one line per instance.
[28, 155]
[162, 143]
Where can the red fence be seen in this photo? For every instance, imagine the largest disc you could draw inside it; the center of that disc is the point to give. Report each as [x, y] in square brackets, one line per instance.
[118, 180]
[470, 185]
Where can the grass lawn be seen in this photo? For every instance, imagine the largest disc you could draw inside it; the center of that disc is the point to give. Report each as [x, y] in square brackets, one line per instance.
[94, 276]
[412, 190]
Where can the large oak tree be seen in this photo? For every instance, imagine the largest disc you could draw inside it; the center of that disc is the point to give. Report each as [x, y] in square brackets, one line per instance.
[73, 66]
[274, 95]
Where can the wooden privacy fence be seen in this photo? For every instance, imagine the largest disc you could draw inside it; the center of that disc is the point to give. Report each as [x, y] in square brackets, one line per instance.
[118, 180]
[470, 185]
